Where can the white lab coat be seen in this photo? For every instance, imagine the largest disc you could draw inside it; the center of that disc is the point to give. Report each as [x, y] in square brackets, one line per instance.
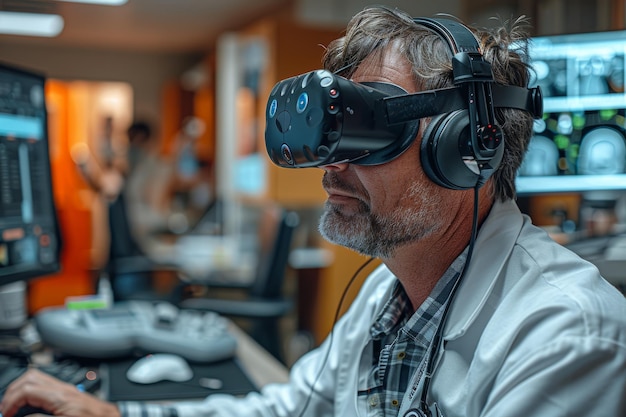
[533, 331]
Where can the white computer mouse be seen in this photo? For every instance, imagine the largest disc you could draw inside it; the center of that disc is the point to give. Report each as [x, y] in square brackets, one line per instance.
[159, 367]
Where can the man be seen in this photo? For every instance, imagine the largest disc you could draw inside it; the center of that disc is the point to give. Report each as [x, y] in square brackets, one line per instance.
[531, 330]
[147, 184]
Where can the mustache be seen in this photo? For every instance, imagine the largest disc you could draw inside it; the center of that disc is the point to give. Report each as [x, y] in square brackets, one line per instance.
[331, 180]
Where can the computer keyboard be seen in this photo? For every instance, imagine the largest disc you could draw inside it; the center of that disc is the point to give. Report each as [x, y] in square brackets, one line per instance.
[9, 372]
[85, 378]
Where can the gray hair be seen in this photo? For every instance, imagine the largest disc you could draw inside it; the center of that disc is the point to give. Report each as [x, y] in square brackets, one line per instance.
[372, 29]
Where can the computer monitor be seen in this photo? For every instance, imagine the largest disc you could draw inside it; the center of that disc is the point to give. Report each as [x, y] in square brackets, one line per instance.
[580, 144]
[29, 233]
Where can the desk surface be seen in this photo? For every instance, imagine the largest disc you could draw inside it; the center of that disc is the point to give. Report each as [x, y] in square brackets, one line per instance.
[260, 365]
[252, 368]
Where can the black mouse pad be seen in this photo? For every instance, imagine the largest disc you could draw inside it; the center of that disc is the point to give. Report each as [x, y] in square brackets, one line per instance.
[233, 380]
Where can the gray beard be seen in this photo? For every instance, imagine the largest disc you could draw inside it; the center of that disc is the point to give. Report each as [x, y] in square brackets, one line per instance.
[380, 235]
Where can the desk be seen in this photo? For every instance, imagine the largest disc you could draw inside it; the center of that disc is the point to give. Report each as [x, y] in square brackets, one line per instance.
[251, 369]
[259, 369]
[261, 366]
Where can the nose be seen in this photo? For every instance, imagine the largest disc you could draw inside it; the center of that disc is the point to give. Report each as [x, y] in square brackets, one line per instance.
[336, 167]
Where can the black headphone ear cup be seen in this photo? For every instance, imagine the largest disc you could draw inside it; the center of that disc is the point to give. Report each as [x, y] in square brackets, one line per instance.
[429, 164]
[441, 151]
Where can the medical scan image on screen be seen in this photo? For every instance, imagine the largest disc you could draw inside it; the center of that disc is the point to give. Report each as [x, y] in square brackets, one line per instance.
[580, 144]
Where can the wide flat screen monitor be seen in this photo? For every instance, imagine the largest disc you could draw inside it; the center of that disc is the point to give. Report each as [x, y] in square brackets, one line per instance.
[580, 144]
[29, 238]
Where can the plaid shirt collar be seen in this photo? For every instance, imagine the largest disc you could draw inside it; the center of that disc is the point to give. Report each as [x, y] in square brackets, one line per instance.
[401, 337]
[398, 309]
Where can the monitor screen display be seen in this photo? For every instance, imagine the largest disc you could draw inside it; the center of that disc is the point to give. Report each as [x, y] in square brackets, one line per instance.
[29, 239]
[580, 144]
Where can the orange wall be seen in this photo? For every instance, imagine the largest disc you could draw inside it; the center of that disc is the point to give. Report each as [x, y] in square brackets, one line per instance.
[74, 215]
[178, 104]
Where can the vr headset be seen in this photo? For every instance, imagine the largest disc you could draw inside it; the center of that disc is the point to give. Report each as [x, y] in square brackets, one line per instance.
[321, 118]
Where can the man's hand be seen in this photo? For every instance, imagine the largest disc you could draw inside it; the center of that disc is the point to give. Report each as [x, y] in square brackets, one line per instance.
[40, 390]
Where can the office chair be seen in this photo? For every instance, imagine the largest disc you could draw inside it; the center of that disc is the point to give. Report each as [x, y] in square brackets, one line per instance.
[129, 270]
[264, 303]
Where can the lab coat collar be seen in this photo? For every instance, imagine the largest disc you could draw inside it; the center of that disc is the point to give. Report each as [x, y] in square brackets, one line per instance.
[494, 243]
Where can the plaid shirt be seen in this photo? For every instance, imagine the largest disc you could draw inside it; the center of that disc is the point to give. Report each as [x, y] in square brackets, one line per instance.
[400, 339]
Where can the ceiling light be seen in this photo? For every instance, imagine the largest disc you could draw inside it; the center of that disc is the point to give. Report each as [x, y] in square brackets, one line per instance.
[105, 2]
[30, 24]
